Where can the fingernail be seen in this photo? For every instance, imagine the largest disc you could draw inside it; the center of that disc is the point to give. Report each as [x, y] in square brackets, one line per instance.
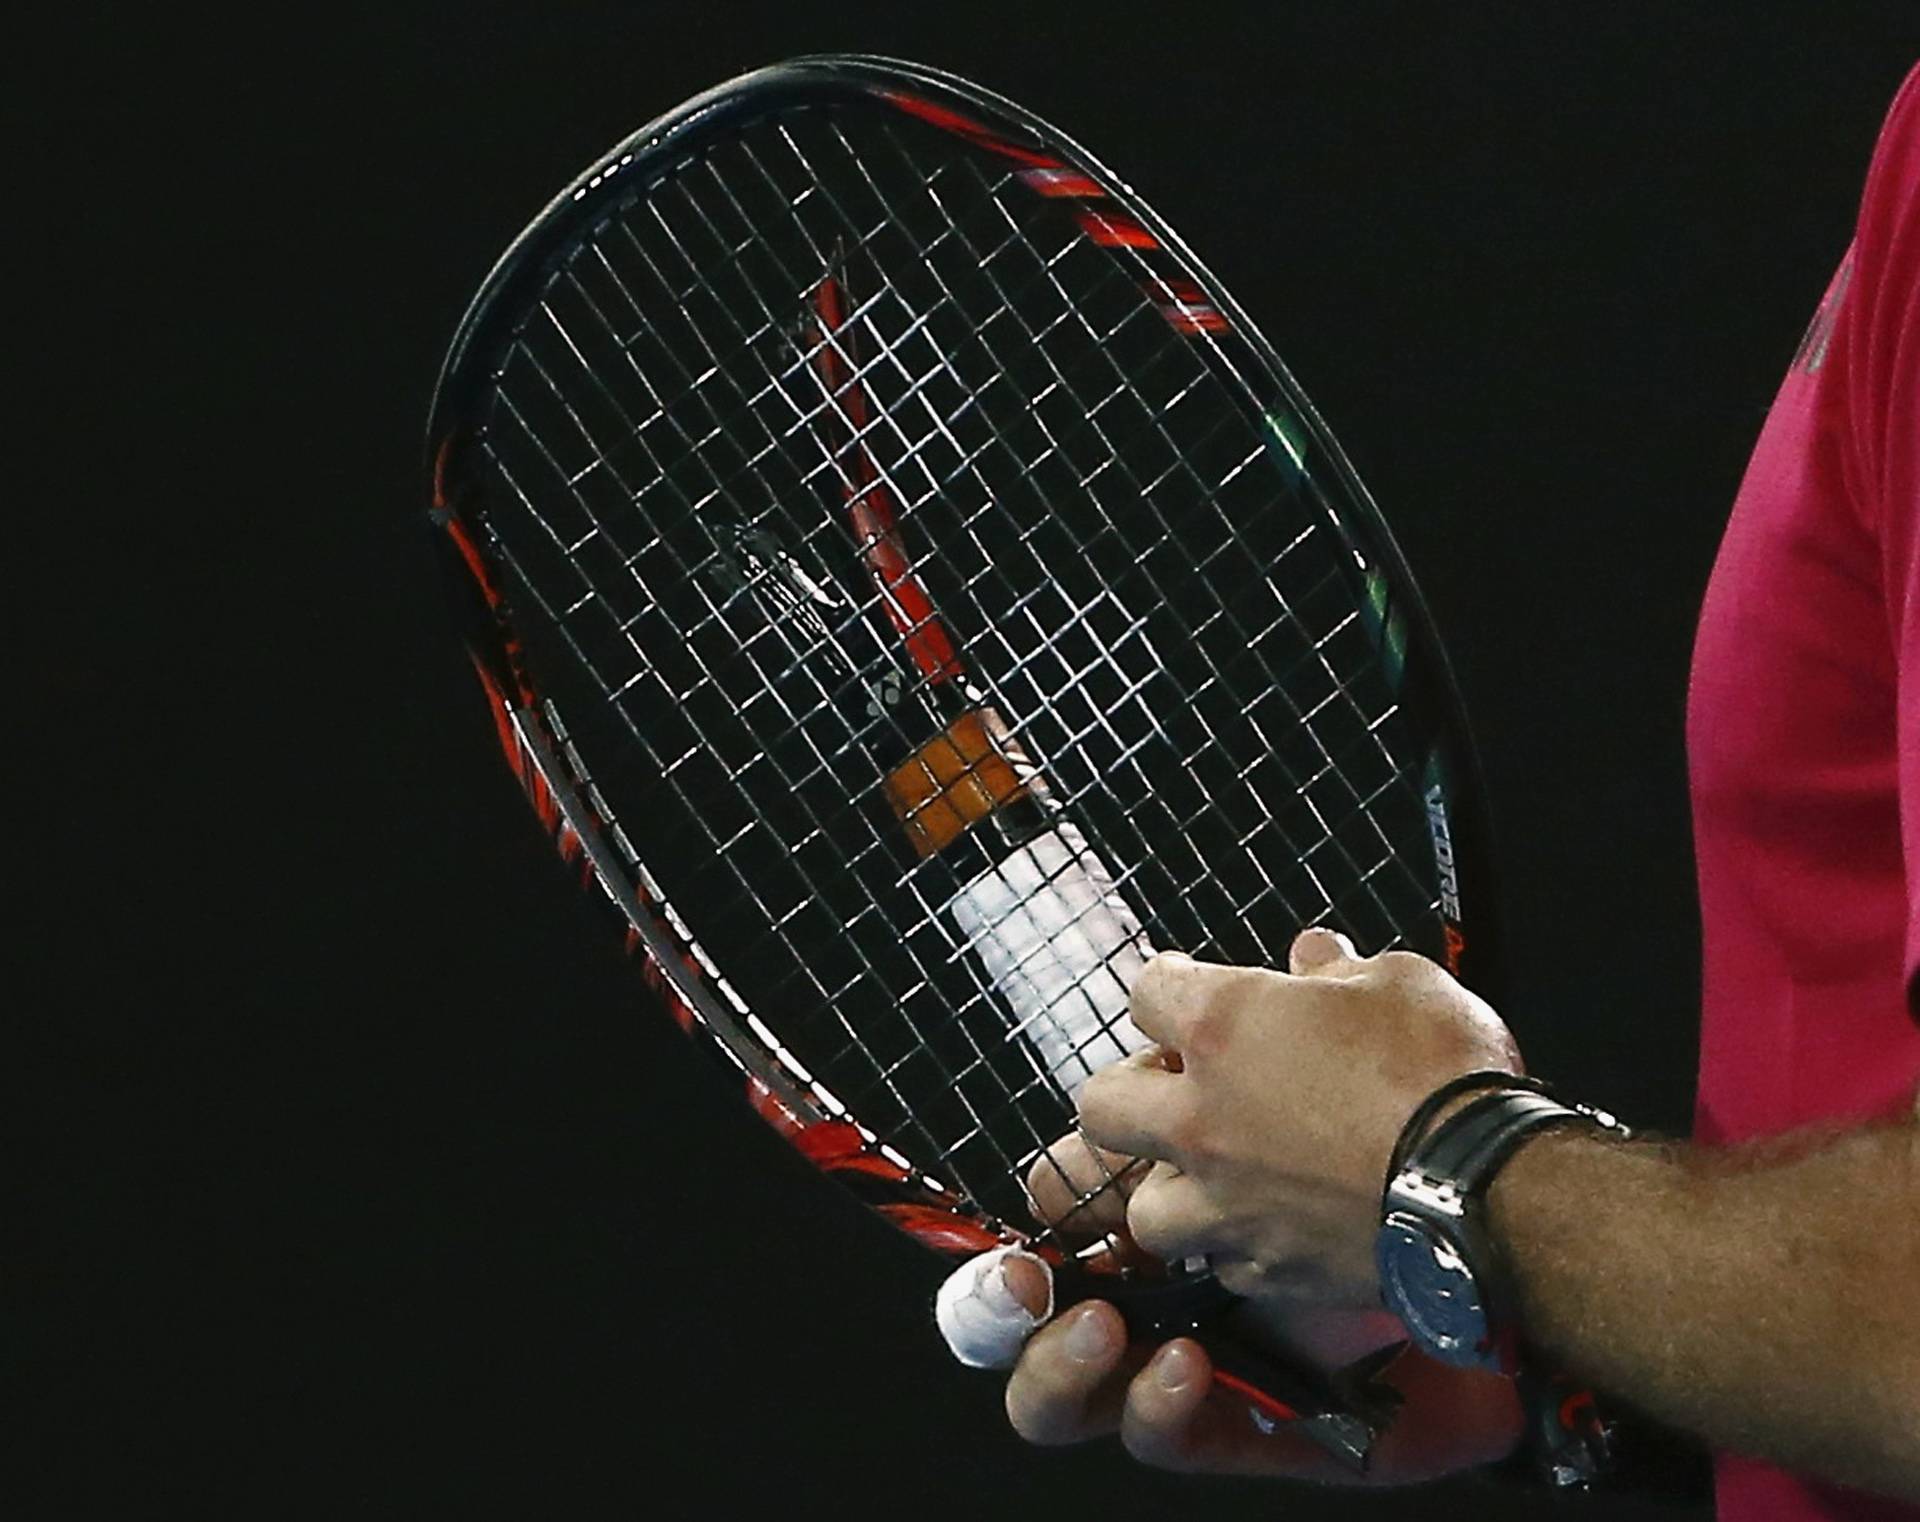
[997, 1294]
[1174, 1367]
[994, 1292]
[1088, 1338]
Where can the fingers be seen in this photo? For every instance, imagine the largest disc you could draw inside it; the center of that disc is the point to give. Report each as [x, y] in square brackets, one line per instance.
[1078, 1379]
[1080, 1189]
[1135, 1106]
[1190, 1010]
[1176, 1417]
[989, 1305]
[1171, 1216]
[1070, 1384]
[1168, 993]
[1324, 953]
[1164, 1403]
[1175, 999]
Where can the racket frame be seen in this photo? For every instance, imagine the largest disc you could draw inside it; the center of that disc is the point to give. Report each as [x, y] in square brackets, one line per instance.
[1195, 303]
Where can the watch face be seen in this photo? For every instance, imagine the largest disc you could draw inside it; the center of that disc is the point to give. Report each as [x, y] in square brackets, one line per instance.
[1428, 1285]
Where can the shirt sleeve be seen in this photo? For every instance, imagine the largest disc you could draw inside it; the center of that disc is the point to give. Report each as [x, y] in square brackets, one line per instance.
[1882, 377]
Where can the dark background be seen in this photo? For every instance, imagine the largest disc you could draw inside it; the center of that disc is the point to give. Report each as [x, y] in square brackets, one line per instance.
[358, 1178]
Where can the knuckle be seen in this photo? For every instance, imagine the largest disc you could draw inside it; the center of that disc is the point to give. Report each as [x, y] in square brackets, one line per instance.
[1210, 1032]
[1154, 982]
[1192, 1135]
[1150, 1226]
[1406, 966]
[1316, 936]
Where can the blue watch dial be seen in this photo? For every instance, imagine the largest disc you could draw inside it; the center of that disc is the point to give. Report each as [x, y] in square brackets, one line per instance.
[1429, 1286]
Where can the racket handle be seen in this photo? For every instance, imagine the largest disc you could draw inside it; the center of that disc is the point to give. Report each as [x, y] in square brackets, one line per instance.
[1345, 1411]
[1061, 947]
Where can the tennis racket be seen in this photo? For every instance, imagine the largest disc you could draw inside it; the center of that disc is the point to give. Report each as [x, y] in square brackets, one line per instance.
[911, 591]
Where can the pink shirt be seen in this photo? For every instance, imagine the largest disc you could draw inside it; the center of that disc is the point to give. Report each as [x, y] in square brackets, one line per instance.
[1803, 733]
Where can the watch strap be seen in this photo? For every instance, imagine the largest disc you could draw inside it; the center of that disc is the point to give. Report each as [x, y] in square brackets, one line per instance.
[1422, 1117]
[1567, 1442]
[1469, 1147]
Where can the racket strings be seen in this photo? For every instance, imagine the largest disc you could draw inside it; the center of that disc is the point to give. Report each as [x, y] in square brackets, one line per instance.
[1122, 387]
[756, 909]
[941, 1152]
[978, 1126]
[749, 906]
[987, 443]
[682, 246]
[1333, 830]
[1212, 494]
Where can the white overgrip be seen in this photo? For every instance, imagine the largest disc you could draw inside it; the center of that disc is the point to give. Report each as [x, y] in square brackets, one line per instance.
[1061, 947]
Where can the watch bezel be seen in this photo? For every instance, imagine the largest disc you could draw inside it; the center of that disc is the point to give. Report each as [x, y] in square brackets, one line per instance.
[1427, 1279]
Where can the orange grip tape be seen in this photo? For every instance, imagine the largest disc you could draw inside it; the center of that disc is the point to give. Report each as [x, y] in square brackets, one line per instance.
[958, 778]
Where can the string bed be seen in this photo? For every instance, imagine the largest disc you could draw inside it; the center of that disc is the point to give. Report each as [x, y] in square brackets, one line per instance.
[1134, 572]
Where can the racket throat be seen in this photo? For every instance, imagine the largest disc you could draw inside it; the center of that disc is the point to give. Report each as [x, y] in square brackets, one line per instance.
[974, 771]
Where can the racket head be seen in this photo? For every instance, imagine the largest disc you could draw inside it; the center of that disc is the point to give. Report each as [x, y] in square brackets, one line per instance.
[1003, 542]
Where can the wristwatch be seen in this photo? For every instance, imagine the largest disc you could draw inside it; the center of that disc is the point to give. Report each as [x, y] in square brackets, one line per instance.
[1441, 1275]
[1439, 1271]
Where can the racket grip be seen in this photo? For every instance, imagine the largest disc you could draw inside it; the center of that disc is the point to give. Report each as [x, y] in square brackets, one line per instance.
[1061, 947]
[1345, 1412]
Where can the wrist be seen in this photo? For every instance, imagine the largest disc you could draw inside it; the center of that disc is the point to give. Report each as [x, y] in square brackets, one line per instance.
[1439, 1269]
[1539, 1210]
[1537, 1165]
[1441, 1106]
[1449, 1274]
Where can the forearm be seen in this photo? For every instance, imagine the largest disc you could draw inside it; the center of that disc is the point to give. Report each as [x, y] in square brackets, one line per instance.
[1767, 1300]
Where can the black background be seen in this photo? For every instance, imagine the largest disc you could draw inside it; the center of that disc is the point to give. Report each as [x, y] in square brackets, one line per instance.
[359, 1179]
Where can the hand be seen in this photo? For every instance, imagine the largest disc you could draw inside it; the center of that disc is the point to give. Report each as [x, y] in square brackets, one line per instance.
[1272, 1104]
[1284, 1203]
[1079, 1379]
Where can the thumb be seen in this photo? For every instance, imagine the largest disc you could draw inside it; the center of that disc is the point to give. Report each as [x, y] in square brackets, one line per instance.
[1323, 953]
[991, 1304]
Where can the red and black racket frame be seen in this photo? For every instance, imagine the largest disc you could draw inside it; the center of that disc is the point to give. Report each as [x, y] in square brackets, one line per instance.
[534, 741]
